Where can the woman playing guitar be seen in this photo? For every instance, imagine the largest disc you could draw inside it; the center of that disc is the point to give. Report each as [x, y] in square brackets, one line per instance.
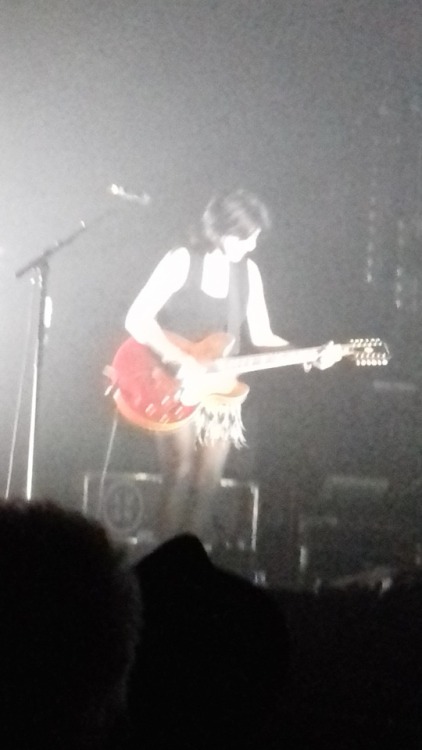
[210, 285]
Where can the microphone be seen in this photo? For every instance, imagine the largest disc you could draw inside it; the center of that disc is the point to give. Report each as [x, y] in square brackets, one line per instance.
[118, 191]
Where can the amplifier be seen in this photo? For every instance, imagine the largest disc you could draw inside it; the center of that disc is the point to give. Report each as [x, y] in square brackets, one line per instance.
[349, 528]
[127, 505]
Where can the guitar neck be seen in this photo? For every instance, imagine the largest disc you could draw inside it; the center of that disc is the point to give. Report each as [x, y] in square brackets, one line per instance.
[268, 360]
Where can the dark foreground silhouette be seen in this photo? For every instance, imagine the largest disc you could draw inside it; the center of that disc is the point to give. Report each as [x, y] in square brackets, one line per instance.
[223, 664]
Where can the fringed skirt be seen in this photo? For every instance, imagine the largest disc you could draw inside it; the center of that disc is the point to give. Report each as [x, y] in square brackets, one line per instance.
[218, 420]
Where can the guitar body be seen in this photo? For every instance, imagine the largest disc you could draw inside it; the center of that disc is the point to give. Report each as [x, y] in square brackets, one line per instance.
[148, 396]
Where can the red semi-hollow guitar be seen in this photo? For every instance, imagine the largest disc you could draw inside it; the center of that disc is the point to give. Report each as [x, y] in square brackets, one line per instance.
[149, 396]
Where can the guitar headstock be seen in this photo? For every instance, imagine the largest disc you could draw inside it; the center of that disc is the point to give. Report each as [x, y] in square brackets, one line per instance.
[371, 352]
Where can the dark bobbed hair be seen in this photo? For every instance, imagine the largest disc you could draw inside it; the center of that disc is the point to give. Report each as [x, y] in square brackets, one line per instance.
[238, 213]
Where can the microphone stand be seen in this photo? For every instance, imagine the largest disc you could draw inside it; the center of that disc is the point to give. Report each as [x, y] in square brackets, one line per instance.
[38, 269]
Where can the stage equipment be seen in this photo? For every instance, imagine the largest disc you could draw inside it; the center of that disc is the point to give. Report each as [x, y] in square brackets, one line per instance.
[127, 505]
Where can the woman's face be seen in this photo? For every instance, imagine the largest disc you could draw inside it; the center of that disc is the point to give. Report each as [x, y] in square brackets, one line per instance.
[236, 248]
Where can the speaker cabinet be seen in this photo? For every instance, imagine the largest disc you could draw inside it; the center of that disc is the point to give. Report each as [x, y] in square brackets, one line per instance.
[347, 529]
[127, 505]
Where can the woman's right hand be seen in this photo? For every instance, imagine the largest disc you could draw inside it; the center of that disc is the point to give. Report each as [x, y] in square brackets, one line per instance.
[190, 370]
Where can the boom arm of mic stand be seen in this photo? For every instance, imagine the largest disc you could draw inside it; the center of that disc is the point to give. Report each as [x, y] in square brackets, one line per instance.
[41, 259]
[40, 266]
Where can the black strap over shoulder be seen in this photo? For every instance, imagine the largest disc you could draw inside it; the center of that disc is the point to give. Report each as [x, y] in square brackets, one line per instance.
[237, 300]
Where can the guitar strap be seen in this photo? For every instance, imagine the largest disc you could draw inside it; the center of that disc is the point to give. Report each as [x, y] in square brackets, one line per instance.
[237, 301]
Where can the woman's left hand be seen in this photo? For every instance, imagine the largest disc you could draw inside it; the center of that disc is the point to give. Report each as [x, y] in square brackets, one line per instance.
[328, 356]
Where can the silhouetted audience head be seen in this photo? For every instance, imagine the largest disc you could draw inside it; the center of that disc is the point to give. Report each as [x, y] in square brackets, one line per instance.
[69, 620]
[213, 655]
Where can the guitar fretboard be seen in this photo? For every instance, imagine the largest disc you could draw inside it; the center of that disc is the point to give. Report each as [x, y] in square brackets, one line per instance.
[264, 361]
[367, 352]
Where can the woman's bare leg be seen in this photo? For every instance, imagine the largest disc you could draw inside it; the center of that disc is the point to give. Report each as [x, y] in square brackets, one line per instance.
[209, 467]
[177, 456]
